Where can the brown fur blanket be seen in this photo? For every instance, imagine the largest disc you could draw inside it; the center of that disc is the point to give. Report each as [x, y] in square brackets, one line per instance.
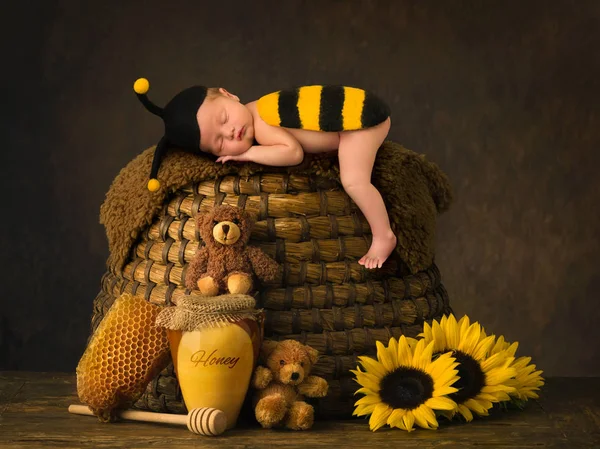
[414, 190]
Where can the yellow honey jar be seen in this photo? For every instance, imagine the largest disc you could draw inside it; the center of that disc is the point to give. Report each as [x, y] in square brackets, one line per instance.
[215, 342]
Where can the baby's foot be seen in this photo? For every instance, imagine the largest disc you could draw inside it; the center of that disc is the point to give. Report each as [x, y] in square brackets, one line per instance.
[380, 250]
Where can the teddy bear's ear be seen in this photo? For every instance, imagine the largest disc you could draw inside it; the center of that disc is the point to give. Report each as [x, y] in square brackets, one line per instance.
[203, 219]
[268, 346]
[313, 354]
[200, 220]
[250, 217]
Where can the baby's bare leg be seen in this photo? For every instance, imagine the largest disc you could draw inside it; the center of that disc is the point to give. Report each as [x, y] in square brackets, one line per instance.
[357, 151]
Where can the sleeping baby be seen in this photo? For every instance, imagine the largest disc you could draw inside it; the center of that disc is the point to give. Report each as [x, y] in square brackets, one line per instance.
[278, 129]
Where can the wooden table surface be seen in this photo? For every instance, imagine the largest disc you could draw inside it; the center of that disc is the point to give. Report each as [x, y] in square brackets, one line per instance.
[33, 413]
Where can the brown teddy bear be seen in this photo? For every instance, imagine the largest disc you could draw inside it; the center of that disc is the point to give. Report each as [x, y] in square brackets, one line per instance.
[225, 263]
[282, 384]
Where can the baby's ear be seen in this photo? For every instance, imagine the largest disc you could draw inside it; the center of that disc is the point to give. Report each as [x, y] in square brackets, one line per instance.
[268, 346]
[313, 355]
[228, 94]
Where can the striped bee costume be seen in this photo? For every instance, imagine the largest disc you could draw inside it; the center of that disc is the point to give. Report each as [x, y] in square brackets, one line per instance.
[323, 108]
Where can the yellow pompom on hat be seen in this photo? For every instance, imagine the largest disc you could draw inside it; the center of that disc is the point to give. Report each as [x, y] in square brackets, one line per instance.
[181, 125]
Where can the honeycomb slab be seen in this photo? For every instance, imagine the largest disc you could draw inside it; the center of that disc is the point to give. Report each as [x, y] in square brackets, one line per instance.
[125, 353]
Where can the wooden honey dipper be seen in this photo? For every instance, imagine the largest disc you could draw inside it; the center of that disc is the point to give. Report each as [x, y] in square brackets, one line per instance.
[202, 421]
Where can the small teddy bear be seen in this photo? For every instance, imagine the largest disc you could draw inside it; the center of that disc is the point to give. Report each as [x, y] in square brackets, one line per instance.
[225, 263]
[282, 384]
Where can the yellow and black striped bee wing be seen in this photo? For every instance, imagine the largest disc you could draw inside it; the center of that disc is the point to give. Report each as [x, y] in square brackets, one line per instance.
[323, 108]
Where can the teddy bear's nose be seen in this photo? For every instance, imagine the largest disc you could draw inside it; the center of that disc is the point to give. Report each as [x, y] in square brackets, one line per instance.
[295, 376]
[225, 228]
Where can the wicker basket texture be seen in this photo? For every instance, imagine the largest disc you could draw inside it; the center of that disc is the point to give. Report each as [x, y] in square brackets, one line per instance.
[323, 297]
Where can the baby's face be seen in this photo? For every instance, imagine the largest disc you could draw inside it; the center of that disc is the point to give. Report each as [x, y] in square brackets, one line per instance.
[226, 125]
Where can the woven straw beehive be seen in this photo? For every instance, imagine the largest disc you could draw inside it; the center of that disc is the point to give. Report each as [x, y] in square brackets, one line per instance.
[323, 298]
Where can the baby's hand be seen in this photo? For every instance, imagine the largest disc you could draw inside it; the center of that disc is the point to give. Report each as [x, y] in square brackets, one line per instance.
[223, 159]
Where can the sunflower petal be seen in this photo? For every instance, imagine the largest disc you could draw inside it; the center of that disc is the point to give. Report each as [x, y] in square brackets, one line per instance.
[525, 394]
[448, 414]
[484, 402]
[371, 399]
[490, 397]
[444, 320]
[443, 391]
[368, 381]
[463, 325]
[446, 379]
[393, 352]
[483, 348]
[468, 340]
[384, 358]
[493, 361]
[425, 359]
[499, 376]
[452, 334]
[441, 403]
[420, 418]
[412, 342]
[522, 362]
[512, 349]
[442, 364]
[409, 420]
[379, 416]
[395, 418]
[495, 388]
[427, 333]
[429, 417]
[363, 410]
[365, 391]
[372, 366]
[499, 345]
[501, 396]
[404, 352]
[417, 352]
[464, 319]
[439, 337]
[465, 412]
[476, 406]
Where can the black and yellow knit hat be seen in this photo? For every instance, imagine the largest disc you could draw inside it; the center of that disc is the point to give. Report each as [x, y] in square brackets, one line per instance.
[181, 125]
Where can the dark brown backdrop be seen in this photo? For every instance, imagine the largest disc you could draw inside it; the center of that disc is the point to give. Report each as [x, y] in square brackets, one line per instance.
[502, 95]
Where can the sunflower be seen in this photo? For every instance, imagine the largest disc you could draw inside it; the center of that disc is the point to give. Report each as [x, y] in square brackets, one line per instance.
[527, 380]
[483, 378]
[404, 386]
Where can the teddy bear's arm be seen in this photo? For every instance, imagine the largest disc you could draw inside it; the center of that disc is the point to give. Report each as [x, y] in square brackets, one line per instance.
[198, 265]
[265, 268]
[313, 387]
[262, 377]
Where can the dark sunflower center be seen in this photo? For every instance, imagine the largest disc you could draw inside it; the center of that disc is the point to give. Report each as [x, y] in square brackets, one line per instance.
[470, 378]
[406, 388]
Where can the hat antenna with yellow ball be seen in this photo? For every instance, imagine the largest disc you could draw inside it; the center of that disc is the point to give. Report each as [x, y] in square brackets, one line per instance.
[181, 124]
